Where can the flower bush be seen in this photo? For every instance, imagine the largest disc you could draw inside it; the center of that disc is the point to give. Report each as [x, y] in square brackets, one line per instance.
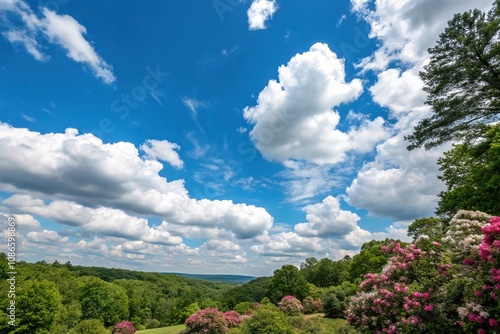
[312, 305]
[436, 288]
[290, 306]
[124, 327]
[402, 299]
[233, 318]
[207, 321]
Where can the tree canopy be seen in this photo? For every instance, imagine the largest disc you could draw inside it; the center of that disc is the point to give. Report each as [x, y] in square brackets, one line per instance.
[462, 80]
[471, 171]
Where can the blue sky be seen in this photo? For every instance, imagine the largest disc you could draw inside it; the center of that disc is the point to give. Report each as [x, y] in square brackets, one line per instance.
[219, 136]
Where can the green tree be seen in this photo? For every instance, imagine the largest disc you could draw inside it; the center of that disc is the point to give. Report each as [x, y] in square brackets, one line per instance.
[38, 304]
[462, 80]
[103, 301]
[267, 319]
[471, 171]
[287, 281]
[90, 326]
[308, 269]
[370, 260]
[432, 227]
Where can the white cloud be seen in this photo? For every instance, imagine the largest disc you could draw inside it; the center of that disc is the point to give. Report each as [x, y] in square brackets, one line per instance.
[63, 30]
[287, 244]
[294, 117]
[399, 184]
[46, 237]
[163, 150]
[193, 105]
[84, 170]
[259, 12]
[326, 220]
[407, 28]
[68, 33]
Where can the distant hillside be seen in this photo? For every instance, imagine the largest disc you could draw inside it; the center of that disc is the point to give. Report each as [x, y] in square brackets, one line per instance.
[232, 279]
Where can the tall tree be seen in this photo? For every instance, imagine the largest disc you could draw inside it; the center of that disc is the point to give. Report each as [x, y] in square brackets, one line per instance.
[287, 281]
[471, 171]
[462, 80]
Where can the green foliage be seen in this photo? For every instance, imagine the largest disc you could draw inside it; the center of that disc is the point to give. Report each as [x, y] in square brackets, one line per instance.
[152, 323]
[104, 301]
[38, 304]
[89, 326]
[370, 260]
[243, 307]
[267, 319]
[335, 303]
[325, 272]
[4, 266]
[287, 281]
[462, 80]
[433, 228]
[252, 291]
[471, 171]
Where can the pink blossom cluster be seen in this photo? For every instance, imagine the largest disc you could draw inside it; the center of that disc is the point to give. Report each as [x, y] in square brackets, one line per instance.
[389, 302]
[207, 321]
[290, 305]
[124, 327]
[233, 318]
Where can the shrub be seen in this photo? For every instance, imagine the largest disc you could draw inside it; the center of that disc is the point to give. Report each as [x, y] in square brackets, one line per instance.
[244, 307]
[267, 319]
[152, 323]
[290, 305]
[124, 327]
[312, 305]
[233, 318]
[91, 326]
[207, 321]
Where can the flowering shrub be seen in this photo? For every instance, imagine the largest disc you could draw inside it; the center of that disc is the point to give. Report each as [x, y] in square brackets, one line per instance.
[233, 318]
[207, 321]
[290, 305]
[124, 327]
[402, 299]
[420, 290]
[312, 305]
[481, 311]
[464, 235]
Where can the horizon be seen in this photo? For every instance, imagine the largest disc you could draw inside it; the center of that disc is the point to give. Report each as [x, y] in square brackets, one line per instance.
[226, 136]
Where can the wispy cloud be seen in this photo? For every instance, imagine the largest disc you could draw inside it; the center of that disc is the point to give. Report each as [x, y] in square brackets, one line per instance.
[62, 30]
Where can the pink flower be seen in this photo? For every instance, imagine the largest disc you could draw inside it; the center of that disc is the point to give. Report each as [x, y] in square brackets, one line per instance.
[477, 293]
[481, 331]
[469, 262]
[435, 243]
[428, 307]
[493, 322]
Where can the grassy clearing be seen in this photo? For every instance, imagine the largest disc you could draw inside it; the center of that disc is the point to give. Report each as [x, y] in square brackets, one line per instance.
[163, 330]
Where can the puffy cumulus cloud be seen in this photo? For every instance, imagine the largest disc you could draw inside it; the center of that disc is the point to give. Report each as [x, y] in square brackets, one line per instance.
[288, 244]
[84, 170]
[294, 116]
[163, 150]
[407, 28]
[46, 237]
[63, 30]
[327, 220]
[259, 12]
[223, 250]
[102, 221]
[399, 91]
[399, 184]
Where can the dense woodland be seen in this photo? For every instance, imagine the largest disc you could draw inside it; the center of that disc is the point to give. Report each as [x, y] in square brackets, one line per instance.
[56, 298]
